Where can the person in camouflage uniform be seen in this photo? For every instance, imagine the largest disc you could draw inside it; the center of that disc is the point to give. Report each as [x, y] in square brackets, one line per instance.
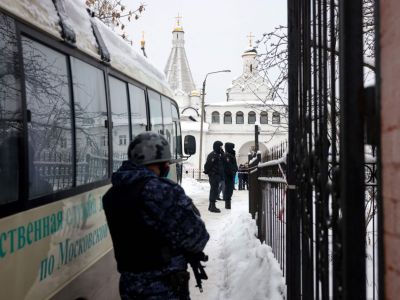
[155, 228]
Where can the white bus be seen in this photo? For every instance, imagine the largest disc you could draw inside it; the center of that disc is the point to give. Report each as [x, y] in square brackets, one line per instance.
[72, 96]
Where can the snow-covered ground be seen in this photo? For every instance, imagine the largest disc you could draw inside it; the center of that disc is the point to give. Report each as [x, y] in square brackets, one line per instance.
[239, 266]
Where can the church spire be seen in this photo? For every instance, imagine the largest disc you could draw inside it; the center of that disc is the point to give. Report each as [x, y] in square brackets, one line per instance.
[249, 58]
[250, 36]
[143, 44]
[178, 26]
[177, 69]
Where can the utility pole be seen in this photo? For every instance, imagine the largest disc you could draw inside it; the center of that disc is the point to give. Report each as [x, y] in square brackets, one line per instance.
[203, 116]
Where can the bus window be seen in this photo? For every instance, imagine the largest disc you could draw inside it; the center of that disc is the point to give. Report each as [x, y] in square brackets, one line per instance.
[119, 115]
[138, 110]
[49, 128]
[155, 112]
[90, 120]
[177, 128]
[10, 112]
[168, 125]
[178, 139]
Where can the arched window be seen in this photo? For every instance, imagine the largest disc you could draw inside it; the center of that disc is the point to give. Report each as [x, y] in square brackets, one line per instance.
[252, 117]
[276, 118]
[264, 117]
[239, 117]
[227, 117]
[215, 117]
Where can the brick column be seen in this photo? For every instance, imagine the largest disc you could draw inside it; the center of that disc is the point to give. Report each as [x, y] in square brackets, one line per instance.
[390, 139]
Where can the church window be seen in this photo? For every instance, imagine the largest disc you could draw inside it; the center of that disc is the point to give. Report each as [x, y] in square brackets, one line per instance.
[264, 117]
[251, 68]
[120, 115]
[122, 139]
[227, 117]
[156, 118]
[252, 117]
[138, 105]
[239, 117]
[276, 118]
[215, 117]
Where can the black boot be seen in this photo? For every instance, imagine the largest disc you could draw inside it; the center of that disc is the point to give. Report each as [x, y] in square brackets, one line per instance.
[228, 204]
[213, 208]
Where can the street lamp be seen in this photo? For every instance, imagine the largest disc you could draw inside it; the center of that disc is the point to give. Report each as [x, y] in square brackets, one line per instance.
[202, 116]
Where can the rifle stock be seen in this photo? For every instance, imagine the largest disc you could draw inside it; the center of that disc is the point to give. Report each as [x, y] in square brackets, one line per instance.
[198, 270]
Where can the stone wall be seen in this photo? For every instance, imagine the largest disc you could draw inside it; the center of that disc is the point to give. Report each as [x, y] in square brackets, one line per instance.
[390, 139]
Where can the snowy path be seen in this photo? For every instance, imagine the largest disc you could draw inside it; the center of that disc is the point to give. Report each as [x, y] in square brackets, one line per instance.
[239, 267]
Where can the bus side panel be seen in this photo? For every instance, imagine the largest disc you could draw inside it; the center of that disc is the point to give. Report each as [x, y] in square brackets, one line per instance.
[100, 282]
[44, 248]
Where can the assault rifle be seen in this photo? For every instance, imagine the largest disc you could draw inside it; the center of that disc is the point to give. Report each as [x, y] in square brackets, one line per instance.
[198, 268]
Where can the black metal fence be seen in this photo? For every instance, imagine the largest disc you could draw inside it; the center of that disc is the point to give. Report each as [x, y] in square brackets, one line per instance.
[267, 201]
[268, 205]
[189, 172]
[318, 207]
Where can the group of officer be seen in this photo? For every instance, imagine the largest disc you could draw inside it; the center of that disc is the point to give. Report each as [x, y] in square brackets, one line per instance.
[221, 168]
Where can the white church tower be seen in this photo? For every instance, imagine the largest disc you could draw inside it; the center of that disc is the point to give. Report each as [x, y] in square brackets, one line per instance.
[249, 85]
[179, 76]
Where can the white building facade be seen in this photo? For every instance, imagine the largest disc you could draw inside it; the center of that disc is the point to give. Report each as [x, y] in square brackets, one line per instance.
[232, 120]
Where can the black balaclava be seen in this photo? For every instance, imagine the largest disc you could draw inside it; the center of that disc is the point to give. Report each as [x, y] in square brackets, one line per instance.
[217, 147]
[229, 148]
[164, 169]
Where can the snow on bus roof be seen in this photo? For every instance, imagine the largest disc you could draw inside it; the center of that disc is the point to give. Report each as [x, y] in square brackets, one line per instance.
[123, 56]
[127, 60]
[42, 14]
[79, 19]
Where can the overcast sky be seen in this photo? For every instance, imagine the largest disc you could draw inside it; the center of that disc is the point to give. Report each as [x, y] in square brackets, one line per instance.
[215, 34]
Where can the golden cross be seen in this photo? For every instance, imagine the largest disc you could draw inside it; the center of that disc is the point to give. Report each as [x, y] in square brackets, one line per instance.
[178, 20]
[250, 39]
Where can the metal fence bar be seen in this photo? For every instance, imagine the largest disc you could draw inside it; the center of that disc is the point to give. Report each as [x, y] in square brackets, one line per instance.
[292, 234]
[352, 149]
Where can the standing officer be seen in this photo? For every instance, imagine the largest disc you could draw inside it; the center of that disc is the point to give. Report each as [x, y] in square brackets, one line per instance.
[230, 169]
[214, 167]
[154, 226]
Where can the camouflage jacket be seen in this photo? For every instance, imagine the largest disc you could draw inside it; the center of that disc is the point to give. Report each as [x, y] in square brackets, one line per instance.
[165, 212]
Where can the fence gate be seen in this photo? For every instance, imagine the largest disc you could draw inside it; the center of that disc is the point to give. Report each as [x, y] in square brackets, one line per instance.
[332, 208]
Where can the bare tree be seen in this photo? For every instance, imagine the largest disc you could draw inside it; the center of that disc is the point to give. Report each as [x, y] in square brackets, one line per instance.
[115, 14]
[273, 53]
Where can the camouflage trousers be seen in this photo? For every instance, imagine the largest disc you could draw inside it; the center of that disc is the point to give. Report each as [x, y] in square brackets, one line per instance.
[174, 286]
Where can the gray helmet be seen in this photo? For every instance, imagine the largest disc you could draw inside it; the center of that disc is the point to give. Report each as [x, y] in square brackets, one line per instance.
[149, 148]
